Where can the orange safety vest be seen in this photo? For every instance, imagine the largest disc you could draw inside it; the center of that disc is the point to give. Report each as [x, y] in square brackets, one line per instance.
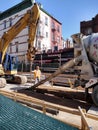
[37, 74]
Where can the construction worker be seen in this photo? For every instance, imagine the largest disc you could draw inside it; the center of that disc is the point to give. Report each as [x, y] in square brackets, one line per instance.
[37, 74]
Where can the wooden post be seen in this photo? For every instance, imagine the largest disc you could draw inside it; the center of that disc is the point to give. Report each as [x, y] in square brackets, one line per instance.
[15, 99]
[70, 83]
[44, 108]
[60, 60]
[84, 123]
[31, 71]
[22, 66]
[52, 82]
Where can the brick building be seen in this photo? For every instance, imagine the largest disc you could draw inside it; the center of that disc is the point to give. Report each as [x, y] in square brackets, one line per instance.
[88, 27]
[56, 33]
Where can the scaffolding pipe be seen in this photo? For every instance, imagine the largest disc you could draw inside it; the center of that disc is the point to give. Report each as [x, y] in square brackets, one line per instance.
[61, 69]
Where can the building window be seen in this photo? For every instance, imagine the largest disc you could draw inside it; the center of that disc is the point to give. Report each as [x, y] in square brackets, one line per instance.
[10, 20]
[53, 37]
[16, 15]
[89, 31]
[39, 31]
[58, 39]
[55, 48]
[39, 45]
[16, 46]
[43, 47]
[46, 21]
[58, 28]
[53, 25]
[10, 48]
[46, 34]
[5, 24]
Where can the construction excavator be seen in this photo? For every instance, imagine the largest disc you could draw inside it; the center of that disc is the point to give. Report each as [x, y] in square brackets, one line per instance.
[8, 63]
[85, 64]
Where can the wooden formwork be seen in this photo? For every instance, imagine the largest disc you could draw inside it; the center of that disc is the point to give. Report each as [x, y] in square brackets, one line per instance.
[29, 100]
[24, 98]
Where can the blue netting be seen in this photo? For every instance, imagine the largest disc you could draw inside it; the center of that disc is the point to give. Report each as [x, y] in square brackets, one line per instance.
[14, 116]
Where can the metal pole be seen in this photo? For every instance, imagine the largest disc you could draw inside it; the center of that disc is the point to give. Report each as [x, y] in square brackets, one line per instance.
[60, 59]
[31, 71]
[41, 60]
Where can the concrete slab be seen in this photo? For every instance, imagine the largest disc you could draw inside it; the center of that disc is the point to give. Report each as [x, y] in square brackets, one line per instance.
[69, 118]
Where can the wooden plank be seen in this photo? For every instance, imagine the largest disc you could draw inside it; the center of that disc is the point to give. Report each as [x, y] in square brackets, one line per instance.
[84, 123]
[91, 116]
[58, 88]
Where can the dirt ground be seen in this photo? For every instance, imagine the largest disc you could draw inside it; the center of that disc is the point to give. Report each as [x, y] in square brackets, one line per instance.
[68, 99]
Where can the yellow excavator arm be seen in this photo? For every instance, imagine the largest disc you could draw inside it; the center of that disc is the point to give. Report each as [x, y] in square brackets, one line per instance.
[30, 19]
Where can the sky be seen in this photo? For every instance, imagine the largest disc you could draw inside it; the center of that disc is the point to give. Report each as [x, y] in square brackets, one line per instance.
[68, 12]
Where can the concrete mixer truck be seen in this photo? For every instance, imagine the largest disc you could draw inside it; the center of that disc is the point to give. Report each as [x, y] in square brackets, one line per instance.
[87, 68]
[84, 64]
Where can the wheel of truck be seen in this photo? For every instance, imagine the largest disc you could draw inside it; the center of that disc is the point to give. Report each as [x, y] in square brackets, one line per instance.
[95, 95]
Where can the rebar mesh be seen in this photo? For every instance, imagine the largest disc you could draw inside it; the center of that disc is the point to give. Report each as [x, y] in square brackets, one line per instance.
[15, 116]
